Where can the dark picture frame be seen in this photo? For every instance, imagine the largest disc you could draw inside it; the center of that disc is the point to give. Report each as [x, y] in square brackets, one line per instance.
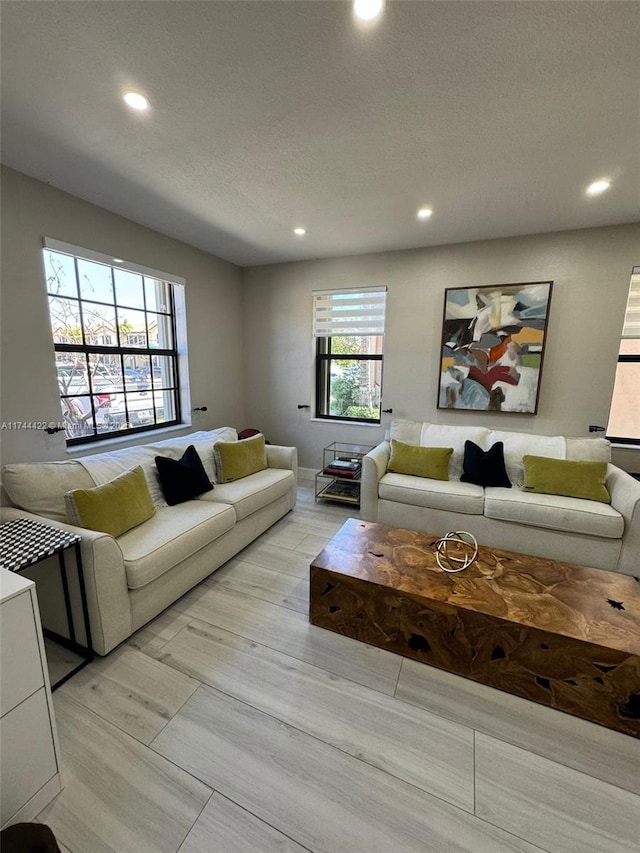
[493, 342]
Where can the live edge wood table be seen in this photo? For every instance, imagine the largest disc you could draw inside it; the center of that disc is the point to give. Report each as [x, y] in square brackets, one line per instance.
[558, 634]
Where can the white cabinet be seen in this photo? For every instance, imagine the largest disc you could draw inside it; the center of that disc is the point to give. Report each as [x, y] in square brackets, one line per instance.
[29, 752]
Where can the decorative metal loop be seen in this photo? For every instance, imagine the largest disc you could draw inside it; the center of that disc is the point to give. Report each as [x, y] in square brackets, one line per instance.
[456, 551]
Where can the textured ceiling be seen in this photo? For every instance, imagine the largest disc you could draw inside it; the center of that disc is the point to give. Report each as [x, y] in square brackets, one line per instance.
[267, 115]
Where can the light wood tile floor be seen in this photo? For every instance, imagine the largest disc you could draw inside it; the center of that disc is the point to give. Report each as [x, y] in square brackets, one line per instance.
[231, 725]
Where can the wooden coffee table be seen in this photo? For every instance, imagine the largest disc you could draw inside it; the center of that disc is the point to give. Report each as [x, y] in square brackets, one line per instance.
[558, 634]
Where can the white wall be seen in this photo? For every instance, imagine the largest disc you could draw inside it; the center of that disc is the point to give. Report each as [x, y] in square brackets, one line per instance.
[28, 390]
[591, 270]
[250, 330]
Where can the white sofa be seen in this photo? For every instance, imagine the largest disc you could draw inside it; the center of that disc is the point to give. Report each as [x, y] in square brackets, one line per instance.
[131, 579]
[605, 536]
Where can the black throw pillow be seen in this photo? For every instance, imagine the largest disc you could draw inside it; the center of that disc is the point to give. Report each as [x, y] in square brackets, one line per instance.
[182, 479]
[484, 468]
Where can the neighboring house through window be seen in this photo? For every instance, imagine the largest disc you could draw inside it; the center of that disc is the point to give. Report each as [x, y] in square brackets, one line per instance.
[348, 327]
[624, 416]
[116, 342]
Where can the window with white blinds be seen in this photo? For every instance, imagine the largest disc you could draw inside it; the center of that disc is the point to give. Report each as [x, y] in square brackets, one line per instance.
[631, 328]
[348, 326]
[349, 312]
[624, 415]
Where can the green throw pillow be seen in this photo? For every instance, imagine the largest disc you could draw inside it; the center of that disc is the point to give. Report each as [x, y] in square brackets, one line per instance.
[431, 462]
[238, 459]
[563, 477]
[114, 507]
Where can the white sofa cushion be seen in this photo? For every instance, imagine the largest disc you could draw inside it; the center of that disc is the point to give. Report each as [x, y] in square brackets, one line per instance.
[173, 534]
[449, 495]
[405, 431]
[554, 512]
[252, 493]
[588, 449]
[441, 435]
[40, 487]
[105, 466]
[518, 444]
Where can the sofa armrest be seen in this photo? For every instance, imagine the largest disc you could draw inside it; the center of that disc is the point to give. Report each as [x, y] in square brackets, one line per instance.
[105, 581]
[625, 497]
[374, 465]
[282, 457]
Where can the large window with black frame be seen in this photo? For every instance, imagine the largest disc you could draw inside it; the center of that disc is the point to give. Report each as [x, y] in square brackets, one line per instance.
[349, 336]
[114, 335]
[624, 416]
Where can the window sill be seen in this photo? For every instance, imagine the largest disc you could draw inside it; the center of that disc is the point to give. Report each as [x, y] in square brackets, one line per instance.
[118, 442]
[346, 423]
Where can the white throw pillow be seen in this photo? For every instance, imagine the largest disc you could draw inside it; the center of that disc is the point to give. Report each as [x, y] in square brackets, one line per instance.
[588, 449]
[408, 432]
[518, 444]
[443, 435]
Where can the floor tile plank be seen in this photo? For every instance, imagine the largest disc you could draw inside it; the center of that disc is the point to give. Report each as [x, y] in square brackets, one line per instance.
[119, 796]
[561, 810]
[155, 634]
[271, 557]
[290, 632]
[421, 748]
[224, 827]
[607, 755]
[277, 587]
[131, 690]
[323, 799]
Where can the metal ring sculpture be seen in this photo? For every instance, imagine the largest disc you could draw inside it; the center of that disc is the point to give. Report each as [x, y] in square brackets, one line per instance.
[450, 562]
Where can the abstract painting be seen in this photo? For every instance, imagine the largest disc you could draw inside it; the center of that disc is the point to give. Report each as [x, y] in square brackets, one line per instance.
[492, 347]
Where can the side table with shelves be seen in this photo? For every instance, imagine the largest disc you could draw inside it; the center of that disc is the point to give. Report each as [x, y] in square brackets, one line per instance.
[333, 486]
[24, 544]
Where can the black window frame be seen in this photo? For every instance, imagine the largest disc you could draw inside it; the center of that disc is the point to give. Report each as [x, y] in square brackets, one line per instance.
[86, 349]
[324, 358]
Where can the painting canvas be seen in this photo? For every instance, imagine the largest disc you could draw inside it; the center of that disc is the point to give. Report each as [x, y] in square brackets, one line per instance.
[492, 347]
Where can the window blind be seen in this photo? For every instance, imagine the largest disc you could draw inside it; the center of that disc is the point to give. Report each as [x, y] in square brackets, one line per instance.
[349, 312]
[631, 328]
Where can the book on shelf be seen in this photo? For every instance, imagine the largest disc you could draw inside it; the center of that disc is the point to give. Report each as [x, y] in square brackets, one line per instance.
[341, 489]
[340, 472]
[344, 465]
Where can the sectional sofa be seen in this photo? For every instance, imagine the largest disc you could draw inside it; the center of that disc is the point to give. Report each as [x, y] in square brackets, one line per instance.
[588, 532]
[132, 578]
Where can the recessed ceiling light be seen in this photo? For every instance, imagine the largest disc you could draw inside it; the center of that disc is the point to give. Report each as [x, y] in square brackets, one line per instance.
[367, 10]
[136, 101]
[299, 232]
[118, 261]
[424, 212]
[598, 187]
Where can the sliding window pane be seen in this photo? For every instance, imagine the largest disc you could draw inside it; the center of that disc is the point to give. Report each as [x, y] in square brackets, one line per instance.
[60, 271]
[163, 372]
[77, 416]
[133, 328]
[355, 387]
[71, 368]
[106, 372]
[129, 289]
[165, 408]
[95, 281]
[160, 331]
[157, 295]
[99, 322]
[65, 320]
